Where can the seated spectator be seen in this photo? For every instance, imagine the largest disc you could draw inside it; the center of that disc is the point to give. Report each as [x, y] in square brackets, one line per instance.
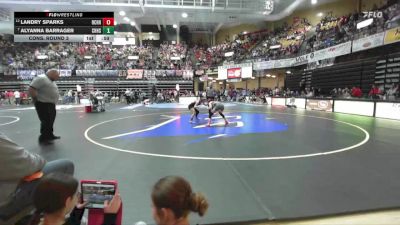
[20, 172]
[392, 92]
[356, 92]
[374, 93]
[57, 196]
[173, 200]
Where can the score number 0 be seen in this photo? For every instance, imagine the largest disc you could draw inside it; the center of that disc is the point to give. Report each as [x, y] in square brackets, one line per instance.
[108, 25]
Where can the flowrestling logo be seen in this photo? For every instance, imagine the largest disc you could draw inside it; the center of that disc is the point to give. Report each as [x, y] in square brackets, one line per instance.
[372, 14]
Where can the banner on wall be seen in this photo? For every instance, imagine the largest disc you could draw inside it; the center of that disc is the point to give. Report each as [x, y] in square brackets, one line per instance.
[135, 74]
[106, 73]
[284, 63]
[28, 74]
[199, 72]
[265, 65]
[303, 59]
[234, 73]
[246, 70]
[65, 73]
[327, 53]
[97, 73]
[319, 104]
[389, 110]
[170, 73]
[187, 74]
[368, 42]
[392, 35]
[332, 52]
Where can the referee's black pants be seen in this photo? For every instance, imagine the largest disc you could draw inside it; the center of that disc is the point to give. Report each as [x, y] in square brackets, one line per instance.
[47, 114]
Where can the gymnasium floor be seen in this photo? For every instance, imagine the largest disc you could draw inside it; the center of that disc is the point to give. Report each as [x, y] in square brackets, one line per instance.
[269, 163]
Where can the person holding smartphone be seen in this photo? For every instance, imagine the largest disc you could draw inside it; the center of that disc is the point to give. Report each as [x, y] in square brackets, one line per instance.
[57, 195]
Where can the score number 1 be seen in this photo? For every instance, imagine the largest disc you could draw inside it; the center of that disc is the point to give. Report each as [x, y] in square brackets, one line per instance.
[108, 26]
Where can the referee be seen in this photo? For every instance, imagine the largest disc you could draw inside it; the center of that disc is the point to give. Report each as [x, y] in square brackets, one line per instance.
[44, 92]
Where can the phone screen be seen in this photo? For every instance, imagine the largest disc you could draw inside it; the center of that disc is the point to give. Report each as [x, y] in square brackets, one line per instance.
[95, 194]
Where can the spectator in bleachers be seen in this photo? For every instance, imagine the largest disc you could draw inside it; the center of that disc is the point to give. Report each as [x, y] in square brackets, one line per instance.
[356, 92]
[173, 200]
[375, 92]
[17, 96]
[392, 92]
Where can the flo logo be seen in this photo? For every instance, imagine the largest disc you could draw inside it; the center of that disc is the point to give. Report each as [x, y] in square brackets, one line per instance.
[372, 14]
[179, 126]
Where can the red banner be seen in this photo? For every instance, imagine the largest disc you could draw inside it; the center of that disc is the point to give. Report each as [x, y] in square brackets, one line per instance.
[135, 74]
[234, 73]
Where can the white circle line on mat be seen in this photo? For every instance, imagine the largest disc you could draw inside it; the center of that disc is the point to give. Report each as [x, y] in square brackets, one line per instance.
[16, 119]
[365, 140]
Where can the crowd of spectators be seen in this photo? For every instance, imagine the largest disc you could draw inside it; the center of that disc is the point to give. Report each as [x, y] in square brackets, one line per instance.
[173, 57]
[333, 30]
[90, 56]
[13, 97]
[253, 95]
[287, 40]
[206, 57]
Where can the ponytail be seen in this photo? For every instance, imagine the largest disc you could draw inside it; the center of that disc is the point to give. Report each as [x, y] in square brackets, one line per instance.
[176, 194]
[198, 204]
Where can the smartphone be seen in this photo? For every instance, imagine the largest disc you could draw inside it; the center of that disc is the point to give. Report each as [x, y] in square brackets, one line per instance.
[95, 193]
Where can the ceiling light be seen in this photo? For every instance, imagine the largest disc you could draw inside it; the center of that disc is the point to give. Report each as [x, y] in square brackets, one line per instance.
[229, 54]
[184, 15]
[320, 14]
[122, 13]
[268, 75]
[244, 32]
[273, 76]
[365, 23]
[175, 26]
[133, 23]
[313, 2]
[46, 10]
[275, 47]
[126, 19]
[150, 32]
[288, 72]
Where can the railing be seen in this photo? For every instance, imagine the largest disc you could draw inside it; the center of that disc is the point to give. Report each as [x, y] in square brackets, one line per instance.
[220, 4]
[361, 107]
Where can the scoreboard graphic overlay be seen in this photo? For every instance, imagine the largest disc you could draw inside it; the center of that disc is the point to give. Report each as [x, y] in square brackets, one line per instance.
[63, 26]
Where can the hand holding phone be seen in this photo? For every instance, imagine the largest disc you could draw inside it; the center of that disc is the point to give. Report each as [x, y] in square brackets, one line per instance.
[113, 205]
